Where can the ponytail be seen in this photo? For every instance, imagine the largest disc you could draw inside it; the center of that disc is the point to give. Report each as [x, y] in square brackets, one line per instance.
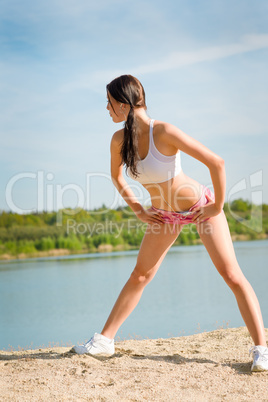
[127, 89]
[129, 150]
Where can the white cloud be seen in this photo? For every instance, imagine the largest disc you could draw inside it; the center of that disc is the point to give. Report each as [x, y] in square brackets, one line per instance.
[172, 61]
[175, 60]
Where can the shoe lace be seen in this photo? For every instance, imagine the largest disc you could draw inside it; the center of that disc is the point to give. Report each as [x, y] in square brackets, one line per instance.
[89, 342]
[256, 352]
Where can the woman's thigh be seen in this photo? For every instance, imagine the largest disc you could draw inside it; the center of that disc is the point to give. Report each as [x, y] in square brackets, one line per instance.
[216, 237]
[156, 242]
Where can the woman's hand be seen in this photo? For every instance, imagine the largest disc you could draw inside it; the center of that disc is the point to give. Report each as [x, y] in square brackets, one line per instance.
[150, 216]
[206, 211]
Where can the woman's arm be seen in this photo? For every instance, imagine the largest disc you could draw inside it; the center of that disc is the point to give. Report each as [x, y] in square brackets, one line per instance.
[123, 187]
[215, 163]
[117, 175]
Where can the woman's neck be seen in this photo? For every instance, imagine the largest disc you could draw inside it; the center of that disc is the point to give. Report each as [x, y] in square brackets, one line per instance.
[143, 120]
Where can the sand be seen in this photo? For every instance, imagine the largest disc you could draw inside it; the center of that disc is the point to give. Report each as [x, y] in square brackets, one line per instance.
[210, 366]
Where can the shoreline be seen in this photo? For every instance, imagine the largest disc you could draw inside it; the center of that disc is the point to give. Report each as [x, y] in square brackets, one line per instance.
[209, 366]
[104, 248]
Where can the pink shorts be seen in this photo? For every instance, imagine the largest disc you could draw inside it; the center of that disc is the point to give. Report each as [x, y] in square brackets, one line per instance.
[185, 217]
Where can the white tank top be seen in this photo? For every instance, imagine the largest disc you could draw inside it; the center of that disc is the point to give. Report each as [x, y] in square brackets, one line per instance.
[156, 167]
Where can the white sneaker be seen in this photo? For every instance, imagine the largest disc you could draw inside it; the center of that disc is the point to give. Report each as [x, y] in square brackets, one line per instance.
[97, 345]
[260, 358]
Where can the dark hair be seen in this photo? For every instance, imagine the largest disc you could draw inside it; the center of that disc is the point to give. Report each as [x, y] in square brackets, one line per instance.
[128, 89]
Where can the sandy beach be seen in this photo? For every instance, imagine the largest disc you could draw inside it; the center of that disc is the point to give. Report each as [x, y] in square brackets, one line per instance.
[210, 366]
[207, 366]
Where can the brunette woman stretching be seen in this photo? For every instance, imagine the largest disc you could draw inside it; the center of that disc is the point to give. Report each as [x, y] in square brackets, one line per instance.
[150, 151]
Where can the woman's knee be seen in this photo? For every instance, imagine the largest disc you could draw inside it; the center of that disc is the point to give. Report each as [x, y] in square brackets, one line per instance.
[232, 275]
[140, 277]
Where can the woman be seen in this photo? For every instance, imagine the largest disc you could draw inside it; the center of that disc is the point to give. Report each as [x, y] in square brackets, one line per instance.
[150, 151]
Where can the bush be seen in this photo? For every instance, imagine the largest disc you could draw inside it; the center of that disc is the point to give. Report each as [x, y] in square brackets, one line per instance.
[100, 239]
[240, 205]
[89, 243]
[11, 247]
[115, 241]
[26, 247]
[69, 243]
[45, 244]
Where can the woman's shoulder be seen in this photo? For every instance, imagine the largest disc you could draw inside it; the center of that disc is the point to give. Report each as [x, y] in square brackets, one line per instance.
[118, 137]
[164, 129]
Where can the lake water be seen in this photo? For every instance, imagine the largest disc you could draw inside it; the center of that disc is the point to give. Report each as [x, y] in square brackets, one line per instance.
[64, 300]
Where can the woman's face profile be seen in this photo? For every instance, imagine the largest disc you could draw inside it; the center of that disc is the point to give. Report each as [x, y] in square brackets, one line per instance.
[116, 110]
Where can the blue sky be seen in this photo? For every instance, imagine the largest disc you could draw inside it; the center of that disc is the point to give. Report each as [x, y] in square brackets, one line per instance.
[203, 65]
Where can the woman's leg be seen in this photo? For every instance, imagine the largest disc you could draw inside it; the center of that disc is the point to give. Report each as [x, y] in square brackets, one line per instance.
[155, 244]
[217, 239]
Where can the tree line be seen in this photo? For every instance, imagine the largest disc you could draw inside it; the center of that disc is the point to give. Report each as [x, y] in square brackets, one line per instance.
[82, 231]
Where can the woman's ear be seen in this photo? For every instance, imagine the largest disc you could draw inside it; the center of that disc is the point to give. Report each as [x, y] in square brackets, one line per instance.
[122, 108]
